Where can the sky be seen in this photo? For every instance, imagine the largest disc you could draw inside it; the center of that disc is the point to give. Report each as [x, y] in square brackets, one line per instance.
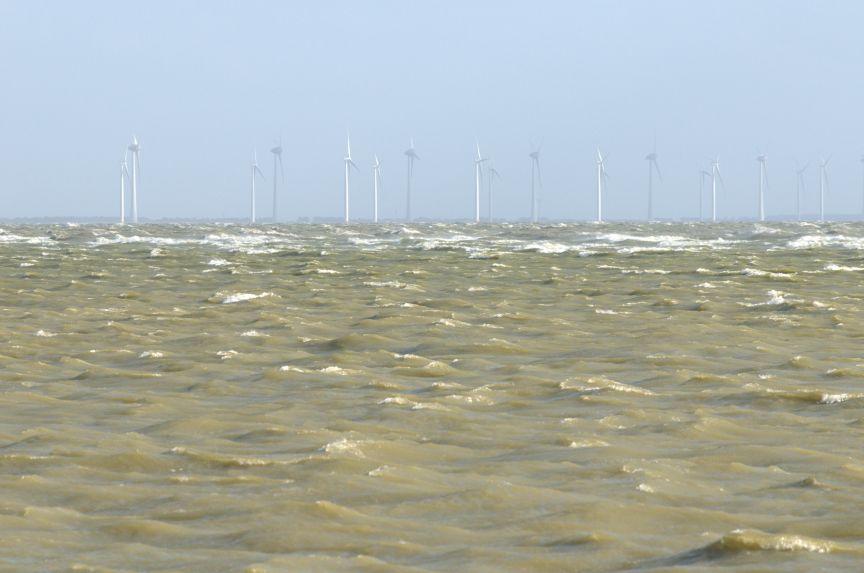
[204, 83]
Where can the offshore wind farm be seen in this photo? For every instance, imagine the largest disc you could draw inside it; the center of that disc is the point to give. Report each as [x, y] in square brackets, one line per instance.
[424, 287]
[484, 171]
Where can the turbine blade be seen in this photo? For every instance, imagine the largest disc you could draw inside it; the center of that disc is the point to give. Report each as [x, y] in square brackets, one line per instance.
[657, 167]
[281, 168]
[259, 172]
[539, 175]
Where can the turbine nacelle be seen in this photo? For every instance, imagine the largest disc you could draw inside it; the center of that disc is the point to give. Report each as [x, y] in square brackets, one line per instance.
[601, 161]
[410, 151]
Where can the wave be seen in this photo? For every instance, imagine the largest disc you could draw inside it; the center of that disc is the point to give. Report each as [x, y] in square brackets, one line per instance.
[242, 297]
[822, 241]
[804, 395]
[745, 541]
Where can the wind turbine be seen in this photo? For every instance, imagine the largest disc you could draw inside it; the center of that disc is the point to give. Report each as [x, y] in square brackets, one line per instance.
[715, 176]
[601, 179]
[277, 158]
[823, 185]
[763, 183]
[651, 158]
[535, 169]
[493, 173]
[376, 183]
[124, 174]
[255, 169]
[478, 176]
[349, 163]
[702, 175]
[799, 187]
[411, 155]
[135, 148]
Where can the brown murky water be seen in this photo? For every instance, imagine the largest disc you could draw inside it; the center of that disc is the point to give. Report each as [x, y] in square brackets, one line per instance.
[432, 398]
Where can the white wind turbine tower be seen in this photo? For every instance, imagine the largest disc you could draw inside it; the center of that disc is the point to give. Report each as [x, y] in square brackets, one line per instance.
[376, 184]
[411, 155]
[255, 170]
[493, 173]
[651, 158]
[823, 185]
[124, 174]
[799, 188]
[478, 175]
[135, 148]
[535, 170]
[763, 183]
[277, 158]
[601, 179]
[349, 163]
[702, 175]
[715, 176]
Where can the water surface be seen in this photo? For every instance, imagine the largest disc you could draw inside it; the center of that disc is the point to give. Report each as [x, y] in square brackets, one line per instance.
[432, 398]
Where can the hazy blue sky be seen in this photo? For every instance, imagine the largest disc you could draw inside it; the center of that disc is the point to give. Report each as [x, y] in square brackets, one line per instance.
[203, 83]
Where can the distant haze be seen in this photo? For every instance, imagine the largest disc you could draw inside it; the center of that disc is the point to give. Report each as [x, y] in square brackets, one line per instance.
[203, 83]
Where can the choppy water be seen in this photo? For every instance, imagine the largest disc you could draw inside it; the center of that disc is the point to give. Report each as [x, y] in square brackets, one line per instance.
[432, 398]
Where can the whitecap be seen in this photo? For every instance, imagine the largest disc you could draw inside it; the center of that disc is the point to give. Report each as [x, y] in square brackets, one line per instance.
[588, 443]
[343, 446]
[336, 370]
[816, 241]
[151, 354]
[546, 247]
[760, 273]
[289, 368]
[833, 267]
[776, 298]
[252, 333]
[244, 296]
[398, 400]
